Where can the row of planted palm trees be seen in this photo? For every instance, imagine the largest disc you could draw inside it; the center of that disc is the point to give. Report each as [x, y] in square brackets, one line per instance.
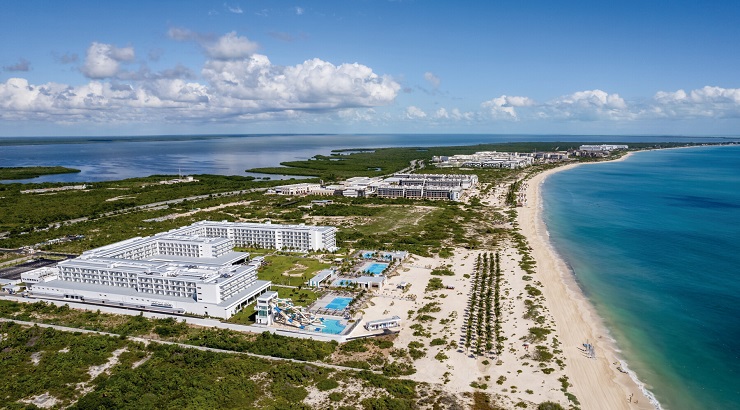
[483, 314]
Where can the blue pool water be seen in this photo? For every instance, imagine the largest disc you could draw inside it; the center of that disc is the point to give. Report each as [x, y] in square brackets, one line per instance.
[332, 326]
[368, 255]
[339, 303]
[376, 268]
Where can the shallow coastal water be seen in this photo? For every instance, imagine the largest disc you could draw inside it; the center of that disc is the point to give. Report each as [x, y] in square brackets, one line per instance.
[654, 242]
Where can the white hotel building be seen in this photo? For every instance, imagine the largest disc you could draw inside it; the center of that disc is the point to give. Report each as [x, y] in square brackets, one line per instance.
[187, 270]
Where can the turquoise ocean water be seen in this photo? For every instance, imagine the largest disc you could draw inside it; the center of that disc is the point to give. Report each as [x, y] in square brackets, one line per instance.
[654, 242]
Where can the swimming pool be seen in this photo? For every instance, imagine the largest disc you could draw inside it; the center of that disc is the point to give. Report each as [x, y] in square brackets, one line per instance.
[376, 268]
[338, 304]
[332, 326]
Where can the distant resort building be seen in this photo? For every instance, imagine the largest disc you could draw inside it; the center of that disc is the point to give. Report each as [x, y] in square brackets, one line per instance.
[427, 186]
[414, 186]
[602, 148]
[180, 180]
[268, 235]
[54, 189]
[193, 269]
[494, 159]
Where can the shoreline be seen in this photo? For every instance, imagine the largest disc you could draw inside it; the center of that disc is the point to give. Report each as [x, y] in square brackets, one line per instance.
[596, 382]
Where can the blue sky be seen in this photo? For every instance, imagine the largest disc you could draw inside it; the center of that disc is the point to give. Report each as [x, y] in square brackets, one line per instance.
[354, 66]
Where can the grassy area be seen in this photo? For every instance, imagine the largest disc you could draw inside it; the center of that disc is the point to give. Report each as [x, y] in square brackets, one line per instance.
[289, 270]
[8, 173]
[399, 220]
[300, 297]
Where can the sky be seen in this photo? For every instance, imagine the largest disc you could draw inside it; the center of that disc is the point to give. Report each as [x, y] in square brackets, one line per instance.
[79, 68]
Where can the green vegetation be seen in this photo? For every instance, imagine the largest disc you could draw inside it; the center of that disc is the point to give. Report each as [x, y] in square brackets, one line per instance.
[7, 173]
[434, 284]
[537, 334]
[169, 329]
[289, 270]
[442, 272]
[550, 405]
[485, 305]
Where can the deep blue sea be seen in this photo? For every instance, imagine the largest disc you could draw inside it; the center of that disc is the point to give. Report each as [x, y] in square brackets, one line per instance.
[112, 158]
[654, 242]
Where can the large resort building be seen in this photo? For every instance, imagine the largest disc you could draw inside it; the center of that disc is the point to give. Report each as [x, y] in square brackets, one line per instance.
[193, 269]
[427, 186]
[414, 186]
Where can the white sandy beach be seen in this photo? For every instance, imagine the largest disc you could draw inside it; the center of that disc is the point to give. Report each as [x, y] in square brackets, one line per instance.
[596, 382]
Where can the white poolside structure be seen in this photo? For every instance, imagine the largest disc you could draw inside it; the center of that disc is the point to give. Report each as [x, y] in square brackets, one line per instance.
[379, 324]
[192, 270]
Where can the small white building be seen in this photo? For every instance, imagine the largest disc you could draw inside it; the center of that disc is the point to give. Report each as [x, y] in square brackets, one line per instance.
[379, 324]
[265, 304]
[321, 277]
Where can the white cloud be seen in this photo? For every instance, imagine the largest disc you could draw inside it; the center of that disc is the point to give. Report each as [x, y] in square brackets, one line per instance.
[442, 113]
[415, 113]
[712, 102]
[432, 79]
[234, 9]
[235, 90]
[314, 84]
[104, 60]
[590, 105]
[505, 106]
[231, 47]
[299, 10]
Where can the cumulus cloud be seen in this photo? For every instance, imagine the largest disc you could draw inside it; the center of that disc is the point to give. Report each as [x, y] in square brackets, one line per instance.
[227, 47]
[454, 114]
[415, 113]
[709, 101]
[314, 84]
[590, 105]
[230, 47]
[245, 86]
[432, 79]
[104, 60]
[22, 65]
[505, 106]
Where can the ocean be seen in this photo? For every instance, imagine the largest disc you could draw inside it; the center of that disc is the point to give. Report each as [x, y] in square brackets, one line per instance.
[654, 242]
[113, 158]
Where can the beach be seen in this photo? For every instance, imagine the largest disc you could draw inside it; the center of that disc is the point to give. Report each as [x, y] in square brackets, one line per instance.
[596, 382]
[512, 375]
